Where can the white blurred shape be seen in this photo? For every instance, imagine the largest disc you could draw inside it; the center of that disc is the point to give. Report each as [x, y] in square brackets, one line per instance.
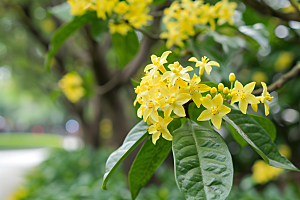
[290, 115]
[264, 51]
[40, 13]
[72, 143]
[281, 31]
[294, 24]
[5, 73]
[72, 126]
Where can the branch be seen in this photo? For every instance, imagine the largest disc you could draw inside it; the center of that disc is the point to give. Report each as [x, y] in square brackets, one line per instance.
[263, 8]
[150, 35]
[293, 73]
[294, 5]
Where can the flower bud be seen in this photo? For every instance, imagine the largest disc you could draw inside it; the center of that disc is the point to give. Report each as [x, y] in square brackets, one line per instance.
[213, 90]
[226, 90]
[231, 77]
[220, 87]
[208, 96]
[233, 93]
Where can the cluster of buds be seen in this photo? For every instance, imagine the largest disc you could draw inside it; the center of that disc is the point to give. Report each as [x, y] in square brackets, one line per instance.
[169, 90]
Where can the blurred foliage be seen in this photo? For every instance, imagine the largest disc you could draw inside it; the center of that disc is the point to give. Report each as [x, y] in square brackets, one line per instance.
[78, 175]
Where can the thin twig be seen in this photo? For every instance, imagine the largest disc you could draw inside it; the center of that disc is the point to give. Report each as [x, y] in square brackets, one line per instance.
[263, 8]
[294, 5]
[149, 35]
[293, 73]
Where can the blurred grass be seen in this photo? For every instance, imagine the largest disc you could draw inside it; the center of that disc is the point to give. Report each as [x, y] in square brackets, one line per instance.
[29, 140]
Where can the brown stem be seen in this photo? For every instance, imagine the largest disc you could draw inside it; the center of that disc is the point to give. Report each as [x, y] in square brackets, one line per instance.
[293, 73]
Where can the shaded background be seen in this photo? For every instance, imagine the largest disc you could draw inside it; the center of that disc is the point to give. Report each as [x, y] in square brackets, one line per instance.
[35, 114]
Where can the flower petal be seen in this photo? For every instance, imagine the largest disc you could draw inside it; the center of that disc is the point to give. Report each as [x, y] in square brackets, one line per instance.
[205, 115]
[216, 121]
[197, 98]
[165, 55]
[208, 69]
[249, 88]
[223, 110]
[153, 58]
[166, 75]
[193, 59]
[166, 134]
[203, 88]
[164, 91]
[206, 102]
[254, 107]
[150, 66]
[217, 100]
[147, 112]
[266, 108]
[243, 105]
[152, 129]
[264, 93]
[167, 110]
[238, 86]
[234, 99]
[155, 137]
[213, 63]
[179, 110]
[251, 98]
[182, 98]
[154, 115]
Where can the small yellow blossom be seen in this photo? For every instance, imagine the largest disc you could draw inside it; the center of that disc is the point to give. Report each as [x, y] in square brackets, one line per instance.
[220, 87]
[71, 85]
[122, 27]
[177, 71]
[243, 95]
[265, 96]
[204, 63]
[121, 8]
[215, 110]
[160, 128]
[213, 90]
[195, 89]
[226, 90]
[105, 7]
[225, 10]
[79, 7]
[157, 64]
[231, 77]
[149, 106]
[173, 101]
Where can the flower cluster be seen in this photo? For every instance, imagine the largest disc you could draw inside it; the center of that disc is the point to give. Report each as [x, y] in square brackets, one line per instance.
[128, 14]
[181, 18]
[168, 91]
[71, 85]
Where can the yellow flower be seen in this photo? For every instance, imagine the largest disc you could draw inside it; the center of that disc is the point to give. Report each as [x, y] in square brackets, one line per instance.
[263, 173]
[177, 71]
[173, 36]
[105, 6]
[121, 28]
[149, 106]
[160, 128]
[243, 95]
[157, 63]
[208, 15]
[283, 61]
[265, 96]
[71, 85]
[195, 89]
[121, 8]
[79, 7]
[204, 63]
[225, 11]
[173, 101]
[215, 110]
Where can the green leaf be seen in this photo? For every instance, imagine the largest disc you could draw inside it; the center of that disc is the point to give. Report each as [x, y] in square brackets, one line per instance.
[266, 124]
[149, 158]
[258, 138]
[134, 137]
[237, 137]
[203, 164]
[125, 46]
[134, 83]
[63, 32]
[98, 28]
[210, 84]
[62, 11]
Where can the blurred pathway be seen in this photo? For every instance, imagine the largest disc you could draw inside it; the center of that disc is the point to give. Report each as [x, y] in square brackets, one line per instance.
[13, 166]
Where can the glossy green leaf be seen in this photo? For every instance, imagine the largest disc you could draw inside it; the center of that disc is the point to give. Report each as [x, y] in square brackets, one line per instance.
[134, 83]
[149, 158]
[258, 138]
[62, 11]
[98, 28]
[203, 164]
[125, 46]
[266, 124]
[237, 137]
[63, 32]
[134, 137]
